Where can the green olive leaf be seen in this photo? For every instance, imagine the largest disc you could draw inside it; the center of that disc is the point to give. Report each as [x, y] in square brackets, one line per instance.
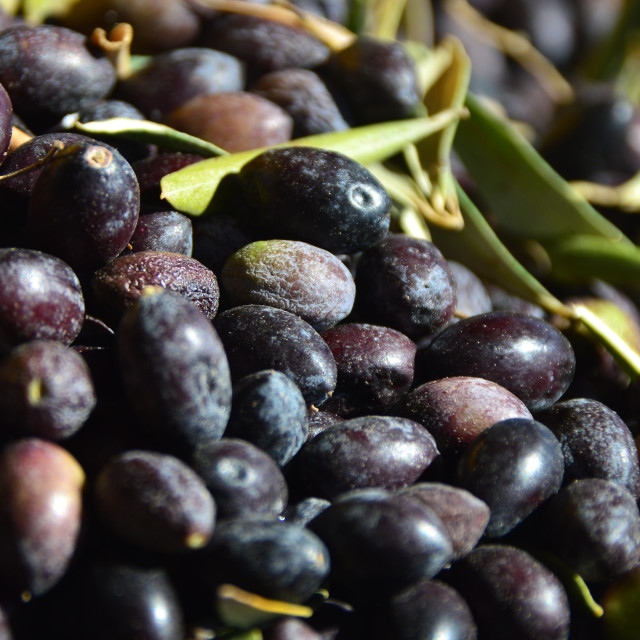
[626, 356]
[527, 197]
[418, 22]
[384, 17]
[190, 190]
[606, 60]
[581, 257]
[150, 133]
[478, 247]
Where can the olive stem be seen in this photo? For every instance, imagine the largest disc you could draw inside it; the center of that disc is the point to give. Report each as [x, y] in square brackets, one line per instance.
[517, 46]
[116, 46]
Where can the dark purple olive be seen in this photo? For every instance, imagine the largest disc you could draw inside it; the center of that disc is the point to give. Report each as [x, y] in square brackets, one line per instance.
[273, 559]
[526, 355]
[41, 493]
[596, 442]
[84, 205]
[370, 451]
[506, 584]
[117, 285]
[464, 515]
[49, 71]
[175, 371]
[380, 543]
[244, 480]
[431, 609]
[346, 208]
[405, 283]
[258, 337]
[456, 410]
[513, 466]
[40, 298]
[155, 501]
[46, 390]
[593, 526]
[375, 367]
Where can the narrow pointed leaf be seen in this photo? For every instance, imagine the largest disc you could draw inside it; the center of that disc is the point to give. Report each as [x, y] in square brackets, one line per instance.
[583, 257]
[150, 133]
[525, 194]
[385, 17]
[477, 246]
[622, 351]
[191, 189]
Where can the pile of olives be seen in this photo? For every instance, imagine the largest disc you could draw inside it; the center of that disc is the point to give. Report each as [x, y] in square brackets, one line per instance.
[285, 418]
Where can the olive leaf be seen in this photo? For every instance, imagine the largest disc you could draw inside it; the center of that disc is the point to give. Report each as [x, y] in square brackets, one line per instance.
[418, 22]
[527, 197]
[479, 248]
[384, 17]
[148, 132]
[606, 60]
[190, 190]
[581, 257]
[626, 356]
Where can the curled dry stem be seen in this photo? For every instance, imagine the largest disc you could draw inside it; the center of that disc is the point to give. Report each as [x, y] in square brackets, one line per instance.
[116, 46]
[54, 152]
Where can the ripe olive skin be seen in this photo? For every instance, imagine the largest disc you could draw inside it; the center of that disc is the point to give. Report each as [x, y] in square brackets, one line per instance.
[117, 285]
[84, 205]
[41, 486]
[513, 466]
[596, 442]
[40, 298]
[264, 45]
[155, 501]
[292, 275]
[271, 558]
[258, 337]
[345, 208]
[50, 71]
[456, 410]
[268, 410]
[375, 367]
[175, 371]
[502, 582]
[526, 355]
[380, 543]
[405, 283]
[378, 78]
[244, 480]
[46, 390]
[369, 451]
